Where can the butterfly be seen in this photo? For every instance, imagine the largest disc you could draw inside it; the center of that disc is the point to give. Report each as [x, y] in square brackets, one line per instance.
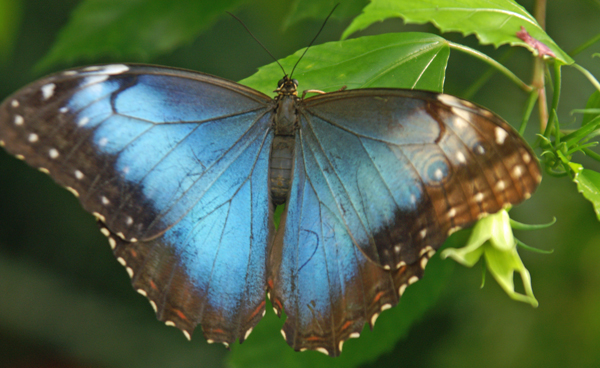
[183, 171]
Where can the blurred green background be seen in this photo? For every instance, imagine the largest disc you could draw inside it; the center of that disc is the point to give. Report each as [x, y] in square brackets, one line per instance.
[65, 302]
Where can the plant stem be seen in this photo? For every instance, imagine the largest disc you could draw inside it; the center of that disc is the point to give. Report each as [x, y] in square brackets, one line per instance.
[585, 45]
[481, 56]
[475, 87]
[588, 75]
[538, 82]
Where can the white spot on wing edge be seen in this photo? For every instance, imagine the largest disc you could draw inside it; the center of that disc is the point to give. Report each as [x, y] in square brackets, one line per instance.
[187, 335]
[447, 99]
[1, 143]
[424, 261]
[122, 261]
[112, 242]
[153, 305]
[105, 231]
[170, 323]
[340, 345]
[142, 292]
[248, 333]
[453, 230]
[374, 319]
[354, 335]
[99, 216]
[75, 193]
[48, 90]
[386, 306]
[426, 249]
[129, 271]
[322, 350]
[283, 334]
[14, 103]
[46, 171]
[501, 135]
[412, 280]
[401, 289]
[93, 80]
[113, 69]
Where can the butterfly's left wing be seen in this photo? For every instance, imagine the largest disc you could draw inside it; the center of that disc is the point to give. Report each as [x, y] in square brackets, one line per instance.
[381, 178]
[174, 164]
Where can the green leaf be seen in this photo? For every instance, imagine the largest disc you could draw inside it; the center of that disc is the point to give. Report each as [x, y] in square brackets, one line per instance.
[592, 103]
[399, 60]
[266, 347]
[494, 22]
[588, 184]
[132, 29]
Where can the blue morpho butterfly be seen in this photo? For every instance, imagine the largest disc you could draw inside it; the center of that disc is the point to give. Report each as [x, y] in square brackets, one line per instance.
[183, 171]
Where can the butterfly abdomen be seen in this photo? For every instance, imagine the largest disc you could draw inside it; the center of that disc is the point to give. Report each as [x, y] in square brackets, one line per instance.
[280, 175]
[282, 154]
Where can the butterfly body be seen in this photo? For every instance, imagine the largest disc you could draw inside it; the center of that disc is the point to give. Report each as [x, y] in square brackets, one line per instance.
[183, 171]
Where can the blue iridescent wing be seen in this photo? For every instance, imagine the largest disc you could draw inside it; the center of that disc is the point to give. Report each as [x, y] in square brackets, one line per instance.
[174, 164]
[381, 178]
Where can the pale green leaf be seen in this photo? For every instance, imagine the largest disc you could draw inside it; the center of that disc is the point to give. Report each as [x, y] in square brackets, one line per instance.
[494, 22]
[399, 60]
[588, 184]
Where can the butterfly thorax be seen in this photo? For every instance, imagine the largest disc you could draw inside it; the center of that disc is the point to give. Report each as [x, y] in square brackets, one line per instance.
[285, 124]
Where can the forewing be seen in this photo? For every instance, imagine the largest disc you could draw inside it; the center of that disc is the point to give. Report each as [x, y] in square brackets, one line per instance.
[404, 169]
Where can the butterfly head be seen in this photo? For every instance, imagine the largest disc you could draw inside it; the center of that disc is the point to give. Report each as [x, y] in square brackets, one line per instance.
[287, 87]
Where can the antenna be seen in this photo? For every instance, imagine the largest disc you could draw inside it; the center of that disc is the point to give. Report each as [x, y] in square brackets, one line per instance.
[256, 39]
[314, 39]
[305, 50]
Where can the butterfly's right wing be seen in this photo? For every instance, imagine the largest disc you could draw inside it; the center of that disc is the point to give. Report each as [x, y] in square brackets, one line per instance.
[174, 164]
